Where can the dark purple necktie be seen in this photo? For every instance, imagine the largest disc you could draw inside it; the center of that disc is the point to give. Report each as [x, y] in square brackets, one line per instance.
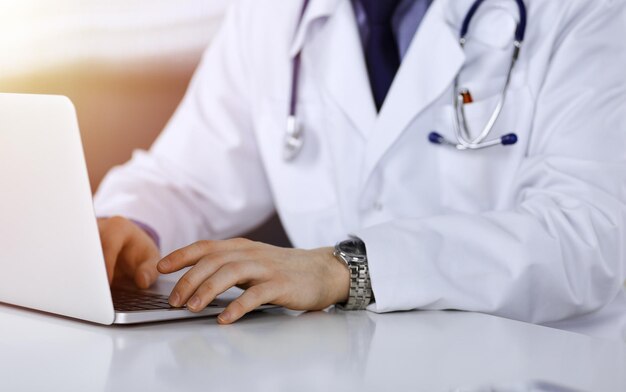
[381, 50]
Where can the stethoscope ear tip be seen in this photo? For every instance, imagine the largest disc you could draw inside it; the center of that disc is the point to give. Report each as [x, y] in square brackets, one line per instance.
[435, 138]
[509, 139]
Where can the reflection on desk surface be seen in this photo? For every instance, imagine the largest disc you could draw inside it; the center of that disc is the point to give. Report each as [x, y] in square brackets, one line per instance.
[280, 350]
[534, 386]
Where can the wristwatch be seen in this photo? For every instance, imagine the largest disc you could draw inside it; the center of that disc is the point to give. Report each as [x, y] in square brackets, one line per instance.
[352, 253]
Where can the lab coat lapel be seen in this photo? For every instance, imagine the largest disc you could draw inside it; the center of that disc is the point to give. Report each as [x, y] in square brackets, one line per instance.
[317, 9]
[340, 66]
[427, 71]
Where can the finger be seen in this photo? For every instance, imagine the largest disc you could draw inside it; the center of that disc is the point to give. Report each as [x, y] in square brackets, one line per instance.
[146, 273]
[112, 244]
[191, 254]
[139, 258]
[223, 279]
[226, 277]
[125, 247]
[251, 299]
[203, 270]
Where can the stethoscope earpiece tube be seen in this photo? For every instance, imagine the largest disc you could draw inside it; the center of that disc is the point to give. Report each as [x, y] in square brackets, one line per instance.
[520, 33]
[505, 140]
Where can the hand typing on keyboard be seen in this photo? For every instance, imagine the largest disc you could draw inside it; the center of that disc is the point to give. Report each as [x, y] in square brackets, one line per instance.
[294, 278]
[128, 251]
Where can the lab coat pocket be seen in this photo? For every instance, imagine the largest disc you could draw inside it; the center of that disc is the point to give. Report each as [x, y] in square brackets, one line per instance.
[480, 180]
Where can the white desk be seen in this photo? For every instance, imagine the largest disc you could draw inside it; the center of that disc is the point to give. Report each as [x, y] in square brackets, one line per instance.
[279, 351]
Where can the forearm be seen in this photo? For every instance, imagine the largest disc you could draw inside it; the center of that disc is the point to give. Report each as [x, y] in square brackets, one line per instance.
[548, 259]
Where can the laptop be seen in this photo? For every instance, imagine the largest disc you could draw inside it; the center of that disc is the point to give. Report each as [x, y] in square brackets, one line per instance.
[50, 254]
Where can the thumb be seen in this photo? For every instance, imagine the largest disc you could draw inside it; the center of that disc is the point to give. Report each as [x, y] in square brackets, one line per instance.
[146, 273]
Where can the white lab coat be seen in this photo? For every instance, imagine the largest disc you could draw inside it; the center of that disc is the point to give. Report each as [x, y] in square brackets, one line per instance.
[533, 232]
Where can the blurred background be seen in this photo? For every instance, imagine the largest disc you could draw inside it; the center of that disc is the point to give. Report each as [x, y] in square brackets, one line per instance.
[124, 63]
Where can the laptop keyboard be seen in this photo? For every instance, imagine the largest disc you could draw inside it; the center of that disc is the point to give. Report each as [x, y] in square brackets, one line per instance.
[133, 300]
[128, 300]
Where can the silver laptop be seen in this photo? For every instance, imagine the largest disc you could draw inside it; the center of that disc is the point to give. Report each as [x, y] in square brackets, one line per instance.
[50, 254]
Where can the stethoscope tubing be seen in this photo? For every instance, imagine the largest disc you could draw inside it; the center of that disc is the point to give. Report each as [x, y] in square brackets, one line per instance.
[294, 135]
[464, 140]
[520, 32]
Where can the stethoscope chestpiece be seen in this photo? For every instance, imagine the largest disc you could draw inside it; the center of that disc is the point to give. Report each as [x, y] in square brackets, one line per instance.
[294, 139]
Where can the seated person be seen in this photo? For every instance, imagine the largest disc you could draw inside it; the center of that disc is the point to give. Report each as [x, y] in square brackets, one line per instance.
[385, 155]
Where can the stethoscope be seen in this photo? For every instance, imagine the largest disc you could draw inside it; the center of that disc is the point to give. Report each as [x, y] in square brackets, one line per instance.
[294, 136]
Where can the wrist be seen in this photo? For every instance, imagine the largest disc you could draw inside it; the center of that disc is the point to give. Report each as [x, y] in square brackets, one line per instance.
[353, 255]
[337, 277]
[342, 279]
[154, 236]
[149, 231]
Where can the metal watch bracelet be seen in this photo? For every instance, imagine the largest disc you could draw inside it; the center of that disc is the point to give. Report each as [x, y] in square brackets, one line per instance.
[352, 253]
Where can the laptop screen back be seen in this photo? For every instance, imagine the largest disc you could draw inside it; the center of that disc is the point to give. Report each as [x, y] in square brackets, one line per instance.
[50, 254]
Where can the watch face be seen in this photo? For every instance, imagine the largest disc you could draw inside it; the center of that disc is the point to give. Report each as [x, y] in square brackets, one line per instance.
[353, 247]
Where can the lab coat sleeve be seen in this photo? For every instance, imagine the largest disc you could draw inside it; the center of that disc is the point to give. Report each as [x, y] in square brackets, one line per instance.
[203, 177]
[559, 250]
